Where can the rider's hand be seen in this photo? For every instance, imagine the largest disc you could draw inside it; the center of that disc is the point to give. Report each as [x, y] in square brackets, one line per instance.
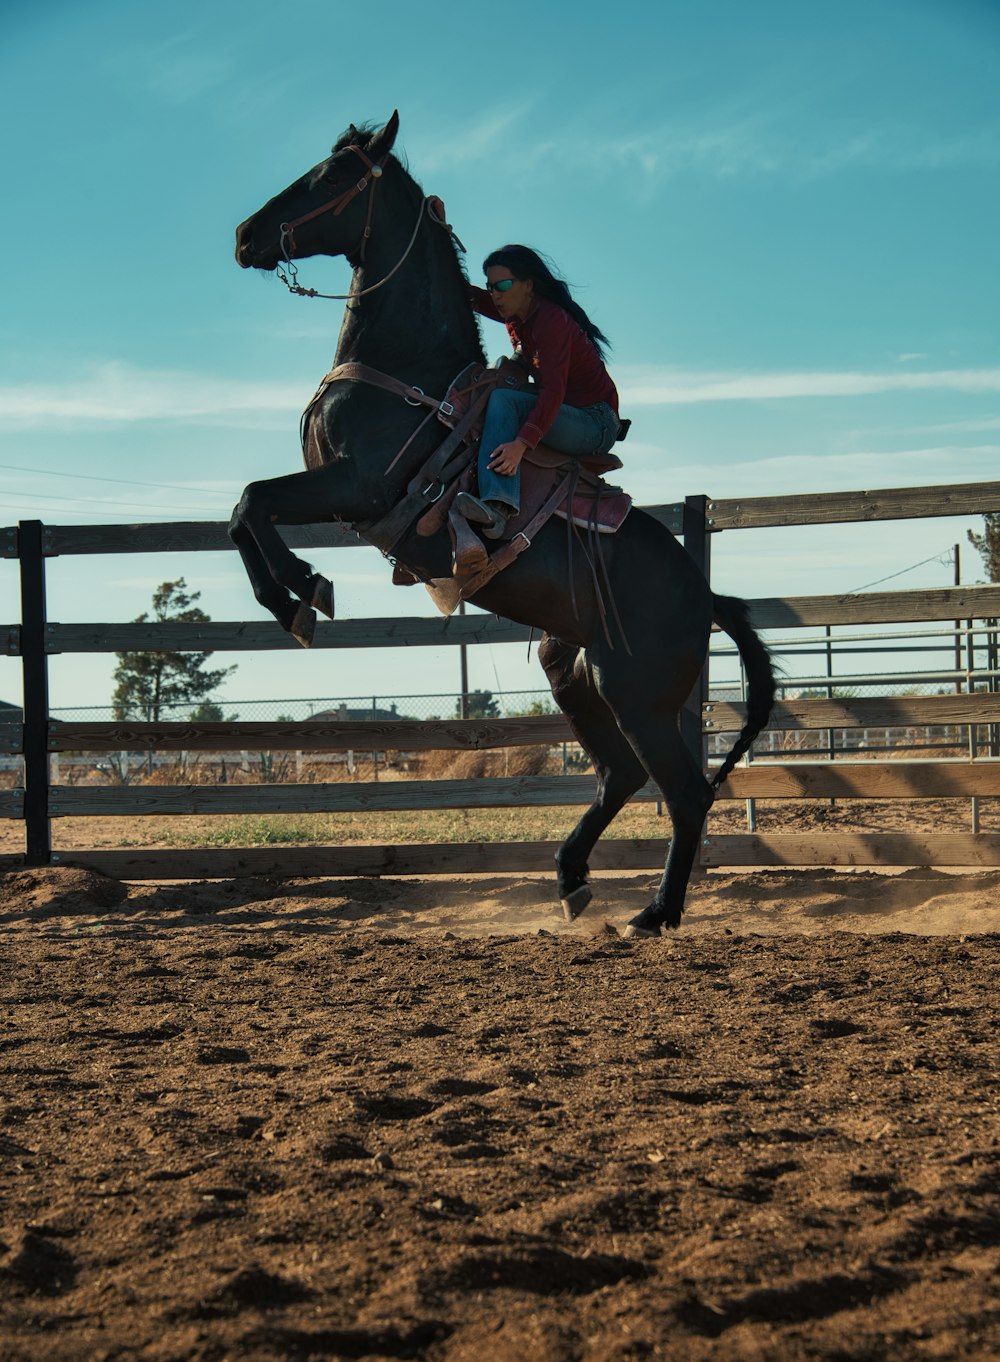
[505, 458]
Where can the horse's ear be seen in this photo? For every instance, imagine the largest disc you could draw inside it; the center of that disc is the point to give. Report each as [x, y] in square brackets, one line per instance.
[381, 144]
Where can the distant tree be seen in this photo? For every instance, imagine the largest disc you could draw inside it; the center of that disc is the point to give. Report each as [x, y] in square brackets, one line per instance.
[480, 705]
[146, 684]
[541, 705]
[208, 712]
[987, 544]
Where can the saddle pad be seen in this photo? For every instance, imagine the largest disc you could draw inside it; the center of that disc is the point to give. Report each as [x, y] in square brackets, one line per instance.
[544, 456]
[611, 511]
[537, 484]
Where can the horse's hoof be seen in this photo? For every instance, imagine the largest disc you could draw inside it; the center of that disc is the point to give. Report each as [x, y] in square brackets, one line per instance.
[633, 932]
[574, 904]
[322, 595]
[303, 625]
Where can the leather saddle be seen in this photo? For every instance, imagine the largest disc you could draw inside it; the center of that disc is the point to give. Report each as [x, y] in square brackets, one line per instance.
[592, 503]
[552, 483]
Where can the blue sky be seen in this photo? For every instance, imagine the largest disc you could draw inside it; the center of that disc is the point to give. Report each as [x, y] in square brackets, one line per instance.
[784, 215]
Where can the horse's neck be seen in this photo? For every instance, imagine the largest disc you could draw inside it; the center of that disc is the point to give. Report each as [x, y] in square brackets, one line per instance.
[418, 326]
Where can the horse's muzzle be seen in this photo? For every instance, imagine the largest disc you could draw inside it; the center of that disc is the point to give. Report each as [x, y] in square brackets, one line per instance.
[244, 246]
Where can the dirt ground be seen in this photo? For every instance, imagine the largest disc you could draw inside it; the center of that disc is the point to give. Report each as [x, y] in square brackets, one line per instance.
[427, 1119]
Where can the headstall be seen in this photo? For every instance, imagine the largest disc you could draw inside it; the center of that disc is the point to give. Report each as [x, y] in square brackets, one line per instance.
[288, 272]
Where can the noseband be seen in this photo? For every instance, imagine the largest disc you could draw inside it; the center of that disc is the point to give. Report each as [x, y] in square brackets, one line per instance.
[288, 273]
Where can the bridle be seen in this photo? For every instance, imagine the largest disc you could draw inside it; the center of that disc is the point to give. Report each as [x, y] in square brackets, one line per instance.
[288, 273]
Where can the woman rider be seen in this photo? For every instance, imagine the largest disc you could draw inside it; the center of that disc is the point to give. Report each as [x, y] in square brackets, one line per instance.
[573, 406]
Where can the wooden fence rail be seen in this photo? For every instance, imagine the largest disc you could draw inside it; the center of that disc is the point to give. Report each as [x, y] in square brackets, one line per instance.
[35, 639]
[792, 780]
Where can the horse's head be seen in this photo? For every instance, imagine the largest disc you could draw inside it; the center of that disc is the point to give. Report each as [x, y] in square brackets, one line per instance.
[327, 211]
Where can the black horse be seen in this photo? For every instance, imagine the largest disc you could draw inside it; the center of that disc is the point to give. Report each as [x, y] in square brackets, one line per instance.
[408, 315]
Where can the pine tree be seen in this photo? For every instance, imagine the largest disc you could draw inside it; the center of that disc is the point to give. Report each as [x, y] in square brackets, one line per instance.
[148, 683]
[480, 705]
[987, 544]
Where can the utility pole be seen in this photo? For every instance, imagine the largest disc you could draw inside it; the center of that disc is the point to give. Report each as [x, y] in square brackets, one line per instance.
[463, 656]
[958, 625]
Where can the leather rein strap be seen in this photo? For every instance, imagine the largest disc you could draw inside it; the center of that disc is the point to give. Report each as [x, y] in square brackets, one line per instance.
[364, 373]
[428, 485]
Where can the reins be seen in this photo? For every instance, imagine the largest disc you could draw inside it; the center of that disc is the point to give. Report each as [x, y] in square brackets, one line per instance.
[288, 272]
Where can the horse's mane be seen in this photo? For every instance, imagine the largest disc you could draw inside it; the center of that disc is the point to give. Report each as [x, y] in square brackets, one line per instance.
[361, 135]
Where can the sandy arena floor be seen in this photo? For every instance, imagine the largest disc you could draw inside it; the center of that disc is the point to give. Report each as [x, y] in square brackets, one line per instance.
[381, 1120]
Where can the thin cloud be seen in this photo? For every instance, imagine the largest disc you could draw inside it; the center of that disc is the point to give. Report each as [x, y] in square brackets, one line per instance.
[188, 77]
[477, 141]
[743, 141]
[663, 479]
[120, 394]
[665, 387]
[960, 427]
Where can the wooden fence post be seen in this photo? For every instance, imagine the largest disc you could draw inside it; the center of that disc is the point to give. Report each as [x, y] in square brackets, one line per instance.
[698, 543]
[35, 670]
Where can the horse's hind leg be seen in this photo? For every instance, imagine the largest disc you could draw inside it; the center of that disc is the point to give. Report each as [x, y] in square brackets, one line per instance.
[650, 723]
[619, 771]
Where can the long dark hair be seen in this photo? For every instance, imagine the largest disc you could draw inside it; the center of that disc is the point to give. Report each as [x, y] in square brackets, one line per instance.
[524, 263]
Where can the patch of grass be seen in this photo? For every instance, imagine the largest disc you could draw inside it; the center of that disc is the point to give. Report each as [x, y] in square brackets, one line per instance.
[249, 830]
[404, 826]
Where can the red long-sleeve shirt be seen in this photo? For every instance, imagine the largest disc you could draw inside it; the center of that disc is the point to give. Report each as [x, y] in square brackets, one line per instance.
[567, 368]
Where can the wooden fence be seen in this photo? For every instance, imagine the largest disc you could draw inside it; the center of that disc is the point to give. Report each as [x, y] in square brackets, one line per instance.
[697, 519]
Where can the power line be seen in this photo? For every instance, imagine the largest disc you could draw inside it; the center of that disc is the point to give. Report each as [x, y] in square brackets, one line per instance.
[944, 558]
[129, 482]
[97, 501]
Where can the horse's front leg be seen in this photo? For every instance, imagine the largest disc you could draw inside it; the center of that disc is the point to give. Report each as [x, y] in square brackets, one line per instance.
[276, 573]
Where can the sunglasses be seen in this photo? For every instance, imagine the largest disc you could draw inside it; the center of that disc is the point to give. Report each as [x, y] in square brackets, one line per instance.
[501, 286]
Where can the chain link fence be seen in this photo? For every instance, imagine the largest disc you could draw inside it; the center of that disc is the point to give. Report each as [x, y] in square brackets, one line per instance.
[478, 704]
[918, 661]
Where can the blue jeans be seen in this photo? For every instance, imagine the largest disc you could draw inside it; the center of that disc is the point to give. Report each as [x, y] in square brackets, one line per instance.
[576, 430]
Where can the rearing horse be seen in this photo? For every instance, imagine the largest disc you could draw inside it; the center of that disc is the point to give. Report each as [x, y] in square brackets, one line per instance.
[408, 314]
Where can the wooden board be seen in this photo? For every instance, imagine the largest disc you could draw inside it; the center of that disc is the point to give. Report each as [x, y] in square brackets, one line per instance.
[457, 858]
[826, 508]
[12, 803]
[308, 735]
[339, 797]
[823, 508]
[11, 738]
[181, 536]
[864, 780]
[762, 780]
[208, 536]
[877, 607]
[260, 635]
[860, 849]
[875, 711]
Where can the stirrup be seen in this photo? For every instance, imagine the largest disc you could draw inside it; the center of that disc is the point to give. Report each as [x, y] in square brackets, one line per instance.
[475, 511]
[491, 515]
[497, 527]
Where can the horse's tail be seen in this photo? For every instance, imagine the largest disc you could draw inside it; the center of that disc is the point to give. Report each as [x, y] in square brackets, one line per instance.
[733, 615]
